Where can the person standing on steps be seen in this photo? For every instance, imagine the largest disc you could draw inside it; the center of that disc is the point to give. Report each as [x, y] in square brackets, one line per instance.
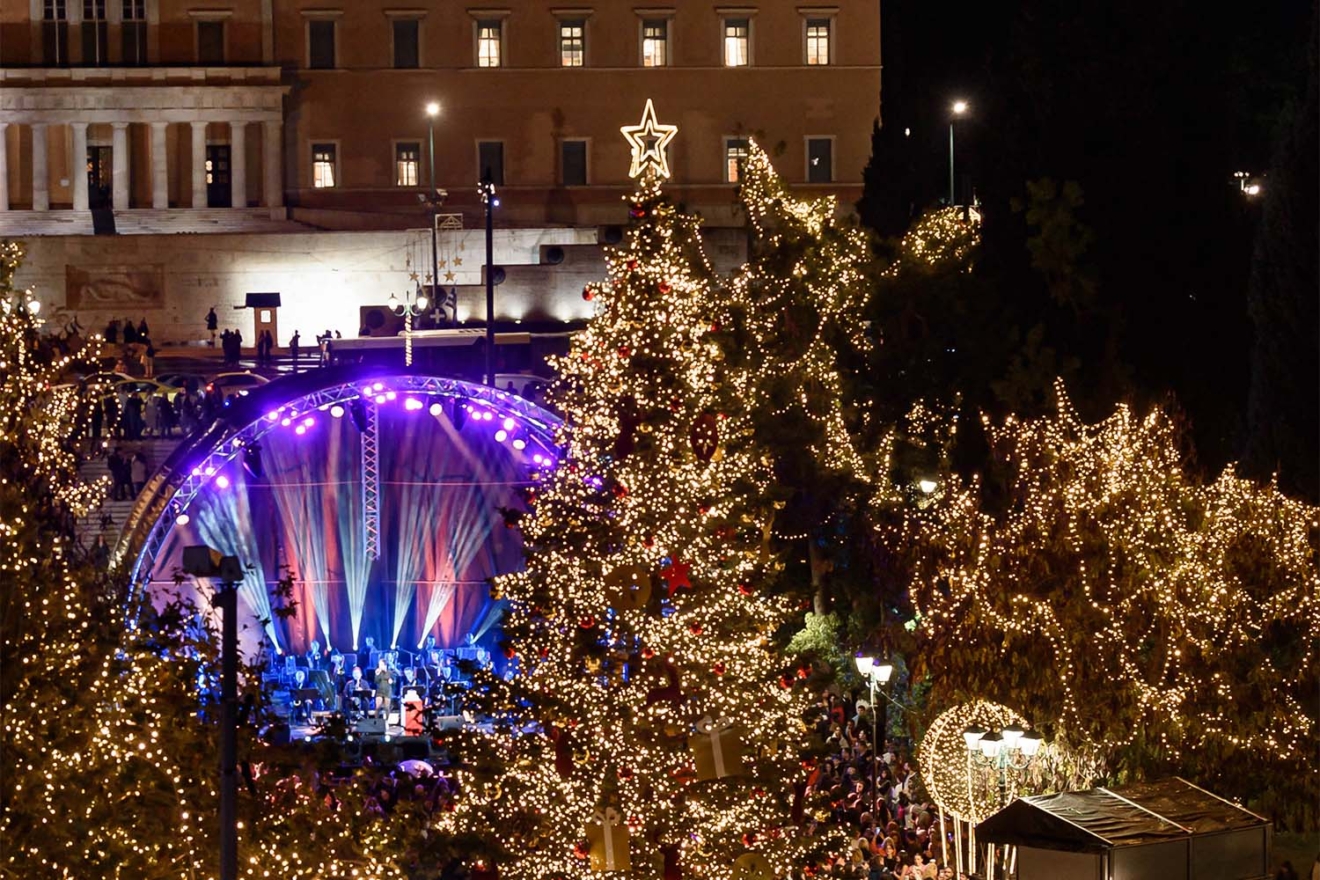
[212, 323]
[293, 349]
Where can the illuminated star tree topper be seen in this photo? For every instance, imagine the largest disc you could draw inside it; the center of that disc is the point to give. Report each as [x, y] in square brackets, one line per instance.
[648, 140]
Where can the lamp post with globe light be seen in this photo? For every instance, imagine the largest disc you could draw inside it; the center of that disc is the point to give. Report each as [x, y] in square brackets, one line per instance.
[413, 304]
[877, 672]
[1010, 748]
[958, 109]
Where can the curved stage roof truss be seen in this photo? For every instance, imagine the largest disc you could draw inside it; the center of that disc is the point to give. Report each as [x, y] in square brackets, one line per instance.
[204, 458]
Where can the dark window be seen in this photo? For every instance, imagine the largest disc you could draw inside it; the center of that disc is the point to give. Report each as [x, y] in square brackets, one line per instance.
[490, 156]
[406, 54]
[574, 161]
[321, 44]
[820, 160]
[55, 33]
[210, 42]
[95, 34]
[134, 32]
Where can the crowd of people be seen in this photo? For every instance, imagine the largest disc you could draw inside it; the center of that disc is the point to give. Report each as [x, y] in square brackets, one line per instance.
[895, 833]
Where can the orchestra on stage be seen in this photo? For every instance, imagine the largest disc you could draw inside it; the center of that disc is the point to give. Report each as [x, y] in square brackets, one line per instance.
[374, 682]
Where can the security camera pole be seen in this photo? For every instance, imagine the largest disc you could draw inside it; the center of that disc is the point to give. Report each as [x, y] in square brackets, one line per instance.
[202, 561]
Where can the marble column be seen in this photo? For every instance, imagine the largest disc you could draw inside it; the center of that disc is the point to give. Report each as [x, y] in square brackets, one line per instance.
[4, 167]
[78, 165]
[40, 173]
[119, 165]
[160, 167]
[238, 164]
[199, 164]
[272, 163]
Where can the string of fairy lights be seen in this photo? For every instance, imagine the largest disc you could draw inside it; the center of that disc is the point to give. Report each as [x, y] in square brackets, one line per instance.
[1175, 583]
[641, 625]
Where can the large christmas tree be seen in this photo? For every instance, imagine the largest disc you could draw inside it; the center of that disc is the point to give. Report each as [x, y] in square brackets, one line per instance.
[651, 724]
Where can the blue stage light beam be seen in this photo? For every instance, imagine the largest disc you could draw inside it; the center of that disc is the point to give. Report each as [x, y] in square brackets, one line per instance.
[348, 513]
[298, 474]
[223, 520]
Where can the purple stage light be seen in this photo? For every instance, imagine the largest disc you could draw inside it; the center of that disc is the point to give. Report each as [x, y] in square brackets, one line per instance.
[538, 458]
[509, 424]
[488, 416]
[273, 415]
[182, 519]
[377, 387]
[309, 421]
[380, 398]
[210, 470]
[412, 404]
[286, 422]
[390, 395]
[222, 481]
[436, 409]
[300, 430]
[501, 435]
[520, 444]
[337, 411]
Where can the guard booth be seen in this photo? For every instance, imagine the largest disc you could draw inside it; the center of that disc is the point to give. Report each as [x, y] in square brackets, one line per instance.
[265, 316]
[1165, 830]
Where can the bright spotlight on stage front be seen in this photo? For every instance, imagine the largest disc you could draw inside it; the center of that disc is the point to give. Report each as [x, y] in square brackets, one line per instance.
[358, 410]
[252, 460]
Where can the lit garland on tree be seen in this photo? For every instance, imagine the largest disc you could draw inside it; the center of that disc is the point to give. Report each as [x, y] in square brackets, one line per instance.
[939, 237]
[108, 769]
[651, 721]
[1118, 603]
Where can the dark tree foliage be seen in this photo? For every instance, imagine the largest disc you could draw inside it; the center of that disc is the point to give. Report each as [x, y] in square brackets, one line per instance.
[1283, 433]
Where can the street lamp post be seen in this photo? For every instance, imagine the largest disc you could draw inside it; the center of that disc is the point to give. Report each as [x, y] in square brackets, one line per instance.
[959, 108]
[202, 561]
[491, 201]
[432, 197]
[876, 671]
[413, 304]
[1010, 748]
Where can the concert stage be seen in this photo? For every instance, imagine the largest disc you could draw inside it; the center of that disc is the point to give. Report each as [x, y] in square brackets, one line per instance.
[378, 490]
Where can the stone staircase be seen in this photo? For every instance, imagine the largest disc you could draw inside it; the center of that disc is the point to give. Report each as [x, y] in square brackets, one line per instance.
[149, 221]
[108, 520]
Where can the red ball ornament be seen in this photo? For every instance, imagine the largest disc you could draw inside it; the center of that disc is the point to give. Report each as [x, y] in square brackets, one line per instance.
[744, 590]
[718, 669]
[632, 265]
[749, 839]
[620, 490]
[648, 541]
[785, 682]
[587, 622]
[695, 628]
[581, 850]
[624, 351]
[703, 509]
[648, 653]
[510, 653]
[543, 653]
[625, 773]
[588, 294]
[665, 287]
[803, 672]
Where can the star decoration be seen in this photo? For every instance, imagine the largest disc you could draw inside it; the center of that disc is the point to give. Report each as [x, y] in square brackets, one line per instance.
[449, 276]
[442, 263]
[648, 140]
[675, 576]
[458, 261]
[412, 276]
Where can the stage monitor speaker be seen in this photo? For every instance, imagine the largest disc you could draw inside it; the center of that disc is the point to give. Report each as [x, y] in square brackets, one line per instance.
[450, 722]
[370, 725]
[103, 221]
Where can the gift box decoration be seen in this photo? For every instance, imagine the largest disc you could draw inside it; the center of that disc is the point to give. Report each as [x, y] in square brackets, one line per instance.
[608, 836]
[716, 748]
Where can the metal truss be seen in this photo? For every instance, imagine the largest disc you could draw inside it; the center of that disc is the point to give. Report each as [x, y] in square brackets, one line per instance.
[371, 484]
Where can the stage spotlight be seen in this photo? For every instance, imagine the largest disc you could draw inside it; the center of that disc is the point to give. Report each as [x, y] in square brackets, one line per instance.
[509, 424]
[252, 460]
[358, 410]
[520, 444]
[412, 404]
[436, 409]
[182, 519]
[337, 411]
[460, 413]
[222, 481]
[501, 435]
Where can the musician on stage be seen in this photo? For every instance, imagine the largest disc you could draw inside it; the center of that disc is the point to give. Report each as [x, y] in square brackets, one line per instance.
[410, 681]
[302, 709]
[370, 653]
[384, 687]
[314, 656]
[352, 686]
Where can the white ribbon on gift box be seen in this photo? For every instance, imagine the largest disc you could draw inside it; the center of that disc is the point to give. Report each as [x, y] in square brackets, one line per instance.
[713, 729]
[608, 819]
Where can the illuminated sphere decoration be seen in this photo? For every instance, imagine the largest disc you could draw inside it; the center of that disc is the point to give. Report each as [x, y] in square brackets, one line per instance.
[943, 761]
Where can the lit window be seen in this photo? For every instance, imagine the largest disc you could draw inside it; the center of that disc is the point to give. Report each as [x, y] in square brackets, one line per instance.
[655, 43]
[818, 41]
[735, 153]
[488, 44]
[323, 165]
[737, 42]
[572, 44]
[407, 161]
[210, 168]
